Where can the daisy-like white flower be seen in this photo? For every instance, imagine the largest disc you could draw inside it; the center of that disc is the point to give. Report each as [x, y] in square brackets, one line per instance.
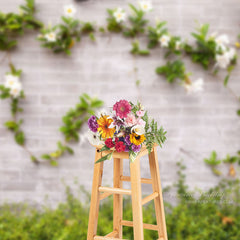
[164, 40]
[223, 60]
[119, 15]
[94, 138]
[145, 5]
[178, 45]
[69, 10]
[51, 37]
[194, 87]
[16, 89]
[11, 80]
[221, 42]
[231, 53]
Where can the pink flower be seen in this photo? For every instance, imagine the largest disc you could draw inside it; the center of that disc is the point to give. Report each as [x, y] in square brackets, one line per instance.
[131, 120]
[140, 113]
[122, 108]
[141, 122]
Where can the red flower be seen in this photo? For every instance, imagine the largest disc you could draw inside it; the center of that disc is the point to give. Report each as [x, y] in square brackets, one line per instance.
[109, 143]
[120, 147]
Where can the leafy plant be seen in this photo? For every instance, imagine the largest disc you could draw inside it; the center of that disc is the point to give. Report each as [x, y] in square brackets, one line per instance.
[136, 49]
[154, 34]
[14, 25]
[137, 22]
[75, 118]
[62, 37]
[213, 162]
[172, 71]
[112, 24]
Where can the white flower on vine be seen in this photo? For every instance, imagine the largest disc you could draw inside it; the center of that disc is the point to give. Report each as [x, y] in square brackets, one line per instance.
[11, 80]
[231, 53]
[145, 5]
[164, 40]
[16, 89]
[69, 10]
[94, 138]
[194, 87]
[178, 45]
[119, 15]
[223, 60]
[51, 37]
[221, 42]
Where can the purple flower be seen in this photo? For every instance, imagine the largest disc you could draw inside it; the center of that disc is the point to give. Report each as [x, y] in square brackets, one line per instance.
[92, 124]
[127, 140]
[136, 148]
[117, 121]
[126, 148]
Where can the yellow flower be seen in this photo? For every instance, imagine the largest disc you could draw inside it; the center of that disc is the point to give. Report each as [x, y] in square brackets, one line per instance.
[137, 139]
[237, 44]
[103, 127]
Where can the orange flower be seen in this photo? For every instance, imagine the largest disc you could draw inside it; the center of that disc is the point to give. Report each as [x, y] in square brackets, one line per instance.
[104, 122]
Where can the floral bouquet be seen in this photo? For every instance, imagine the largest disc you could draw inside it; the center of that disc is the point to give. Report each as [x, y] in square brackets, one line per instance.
[126, 128]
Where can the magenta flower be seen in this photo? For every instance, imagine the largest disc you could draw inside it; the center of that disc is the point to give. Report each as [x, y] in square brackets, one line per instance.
[136, 148]
[122, 108]
[92, 124]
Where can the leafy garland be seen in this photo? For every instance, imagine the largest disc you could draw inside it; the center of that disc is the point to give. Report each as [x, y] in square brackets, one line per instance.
[73, 120]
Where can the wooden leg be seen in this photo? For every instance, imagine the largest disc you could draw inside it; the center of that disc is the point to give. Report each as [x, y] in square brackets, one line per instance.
[117, 198]
[156, 184]
[95, 198]
[136, 199]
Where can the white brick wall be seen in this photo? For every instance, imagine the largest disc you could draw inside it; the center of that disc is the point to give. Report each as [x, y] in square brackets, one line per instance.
[197, 124]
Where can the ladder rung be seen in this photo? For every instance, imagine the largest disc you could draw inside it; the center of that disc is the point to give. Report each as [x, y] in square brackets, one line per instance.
[145, 225]
[143, 180]
[105, 195]
[112, 234]
[149, 198]
[115, 190]
[107, 238]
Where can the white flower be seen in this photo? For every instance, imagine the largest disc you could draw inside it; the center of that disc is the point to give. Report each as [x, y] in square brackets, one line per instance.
[11, 80]
[194, 87]
[145, 5]
[119, 15]
[178, 45]
[51, 36]
[223, 60]
[221, 41]
[231, 53]
[138, 129]
[164, 40]
[69, 10]
[16, 89]
[94, 138]
[102, 112]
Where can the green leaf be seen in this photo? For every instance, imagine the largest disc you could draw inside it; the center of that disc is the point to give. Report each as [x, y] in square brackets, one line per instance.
[106, 157]
[11, 125]
[226, 80]
[20, 137]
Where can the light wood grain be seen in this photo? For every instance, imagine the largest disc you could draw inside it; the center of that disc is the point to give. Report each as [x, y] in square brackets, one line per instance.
[95, 198]
[117, 198]
[115, 190]
[158, 201]
[136, 199]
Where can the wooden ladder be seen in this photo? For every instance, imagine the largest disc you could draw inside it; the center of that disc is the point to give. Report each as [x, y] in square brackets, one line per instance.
[99, 192]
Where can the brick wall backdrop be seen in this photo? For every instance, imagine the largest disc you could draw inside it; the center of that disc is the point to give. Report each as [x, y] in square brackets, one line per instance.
[196, 124]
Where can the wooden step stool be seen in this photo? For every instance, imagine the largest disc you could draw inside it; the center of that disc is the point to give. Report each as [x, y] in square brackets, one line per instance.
[99, 193]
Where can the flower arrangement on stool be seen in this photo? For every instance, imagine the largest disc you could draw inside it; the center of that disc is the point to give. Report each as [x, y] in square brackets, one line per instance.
[125, 128]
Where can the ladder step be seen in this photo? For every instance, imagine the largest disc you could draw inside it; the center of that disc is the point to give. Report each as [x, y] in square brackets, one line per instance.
[107, 238]
[149, 198]
[115, 190]
[145, 225]
[143, 180]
